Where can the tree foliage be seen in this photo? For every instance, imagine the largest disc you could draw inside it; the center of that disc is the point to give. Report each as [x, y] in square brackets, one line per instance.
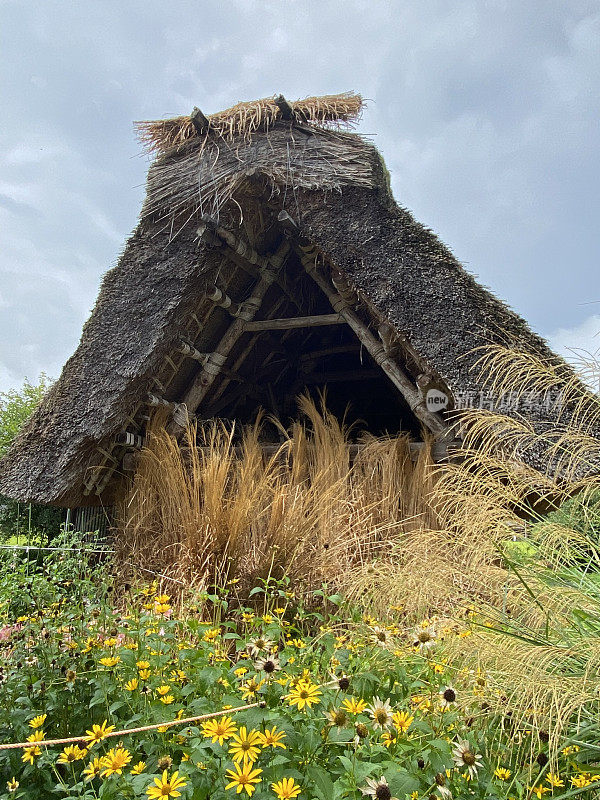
[16, 407]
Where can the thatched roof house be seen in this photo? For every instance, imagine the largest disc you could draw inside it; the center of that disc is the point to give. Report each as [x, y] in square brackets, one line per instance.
[270, 256]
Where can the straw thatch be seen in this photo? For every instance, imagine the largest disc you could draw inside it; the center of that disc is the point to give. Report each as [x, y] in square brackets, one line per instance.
[250, 165]
[244, 119]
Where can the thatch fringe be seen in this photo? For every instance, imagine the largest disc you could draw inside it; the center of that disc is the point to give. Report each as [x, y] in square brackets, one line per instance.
[244, 119]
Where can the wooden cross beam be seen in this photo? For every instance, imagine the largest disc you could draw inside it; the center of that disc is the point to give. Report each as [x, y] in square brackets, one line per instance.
[295, 322]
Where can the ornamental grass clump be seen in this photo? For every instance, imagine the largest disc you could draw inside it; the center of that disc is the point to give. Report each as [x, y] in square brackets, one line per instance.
[210, 511]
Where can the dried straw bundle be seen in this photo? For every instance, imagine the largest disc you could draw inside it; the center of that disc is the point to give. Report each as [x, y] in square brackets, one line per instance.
[244, 119]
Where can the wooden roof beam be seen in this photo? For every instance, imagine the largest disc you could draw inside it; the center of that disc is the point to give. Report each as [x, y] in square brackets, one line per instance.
[202, 383]
[295, 322]
[309, 256]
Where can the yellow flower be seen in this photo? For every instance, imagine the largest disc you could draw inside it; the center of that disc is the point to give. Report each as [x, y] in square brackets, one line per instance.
[286, 789]
[539, 791]
[142, 664]
[38, 721]
[132, 685]
[250, 688]
[166, 787]
[245, 745]
[353, 706]
[243, 778]
[162, 608]
[110, 661]
[218, 729]
[247, 616]
[70, 754]
[402, 720]
[162, 690]
[554, 780]
[12, 785]
[144, 674]
[240, 671]
[162, 599]
[389, 739]
[93, 769]
[98, 733]
[304, 694]
[211, 634]
[579, 781]
[502, 773]
[111, 642]
[272, 738]
[570, 749]
[167, 699]
[114, 761]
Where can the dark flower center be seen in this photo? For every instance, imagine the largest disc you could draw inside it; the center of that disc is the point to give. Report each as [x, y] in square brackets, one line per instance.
[344, 683]
[382, 792]
[362, 730]
[381, 716]
[449, 695]
[269, 666]
[469, 758]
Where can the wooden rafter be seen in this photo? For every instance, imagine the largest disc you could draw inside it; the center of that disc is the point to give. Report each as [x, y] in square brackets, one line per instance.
[309, 257]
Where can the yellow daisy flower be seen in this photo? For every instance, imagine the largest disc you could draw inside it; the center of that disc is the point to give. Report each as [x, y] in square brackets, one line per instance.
[70, 754]
[304, 694]
[272, 738]
[243, 778]
[286, 789]
[98, 733]
[219, 729]
[162, 690]
[166, 787]
[115, 761]
[93, 769]
[38, 721]
[110, 661]
[353, 706]
[402, 720]
[132, 685]
[245, 745]
[502, 773]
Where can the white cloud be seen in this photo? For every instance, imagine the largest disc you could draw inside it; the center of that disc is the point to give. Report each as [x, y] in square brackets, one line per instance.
[583, 338]
[581, 347]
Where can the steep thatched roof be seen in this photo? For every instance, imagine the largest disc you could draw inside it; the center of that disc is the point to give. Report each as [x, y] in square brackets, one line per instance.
[268, 210]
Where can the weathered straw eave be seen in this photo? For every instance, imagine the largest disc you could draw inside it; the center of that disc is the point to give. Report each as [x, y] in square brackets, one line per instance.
[335, 191]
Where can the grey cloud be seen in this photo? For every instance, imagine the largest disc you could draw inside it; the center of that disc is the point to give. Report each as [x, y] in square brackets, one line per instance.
[485, 113]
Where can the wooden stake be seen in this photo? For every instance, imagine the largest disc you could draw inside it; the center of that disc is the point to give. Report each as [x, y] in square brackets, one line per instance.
[201, 123]
[287, 112]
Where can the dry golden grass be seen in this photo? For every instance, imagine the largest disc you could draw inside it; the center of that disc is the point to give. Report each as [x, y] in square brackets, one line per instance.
[244, 119]
[208, 511]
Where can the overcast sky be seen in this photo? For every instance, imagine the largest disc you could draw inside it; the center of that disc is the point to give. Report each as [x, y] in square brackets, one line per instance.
[486, 114]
